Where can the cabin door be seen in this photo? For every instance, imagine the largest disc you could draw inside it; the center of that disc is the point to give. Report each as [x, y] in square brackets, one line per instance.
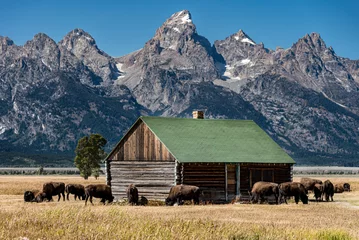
[230, 183]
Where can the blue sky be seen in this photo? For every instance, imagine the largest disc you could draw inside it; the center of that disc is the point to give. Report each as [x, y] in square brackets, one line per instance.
[120, 27]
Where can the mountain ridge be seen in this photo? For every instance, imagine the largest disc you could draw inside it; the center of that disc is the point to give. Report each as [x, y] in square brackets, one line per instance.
[305, 97]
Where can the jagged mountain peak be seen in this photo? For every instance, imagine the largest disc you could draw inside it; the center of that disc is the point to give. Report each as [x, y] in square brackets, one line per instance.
[40, 40]
[6, 41]
[78, 33]
[181, 17]
[313, 41]
[243, 37]
[179, 24]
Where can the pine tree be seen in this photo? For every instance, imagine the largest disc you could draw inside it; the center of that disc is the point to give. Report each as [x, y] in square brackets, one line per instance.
[89, 153]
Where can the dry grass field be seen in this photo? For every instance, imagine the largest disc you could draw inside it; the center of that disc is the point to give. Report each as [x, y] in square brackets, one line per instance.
[72, 220]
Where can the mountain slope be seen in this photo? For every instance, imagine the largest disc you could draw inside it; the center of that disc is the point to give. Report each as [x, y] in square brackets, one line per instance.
[305, 97]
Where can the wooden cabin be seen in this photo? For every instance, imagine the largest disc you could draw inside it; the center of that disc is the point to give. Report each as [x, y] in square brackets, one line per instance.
[223, 157]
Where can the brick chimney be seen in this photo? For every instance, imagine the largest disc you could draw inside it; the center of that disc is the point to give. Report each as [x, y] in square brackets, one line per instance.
[198, 114]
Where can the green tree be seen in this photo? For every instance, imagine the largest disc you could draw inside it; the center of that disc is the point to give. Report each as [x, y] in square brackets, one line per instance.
[89, 153]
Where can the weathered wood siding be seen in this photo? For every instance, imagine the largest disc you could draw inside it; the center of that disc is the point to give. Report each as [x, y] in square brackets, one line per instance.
[153, 179]
[140, 144]
[141, 159]
[252, 173]
[209, 177]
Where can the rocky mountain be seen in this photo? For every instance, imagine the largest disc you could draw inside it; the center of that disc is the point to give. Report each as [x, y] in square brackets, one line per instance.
[306, 97]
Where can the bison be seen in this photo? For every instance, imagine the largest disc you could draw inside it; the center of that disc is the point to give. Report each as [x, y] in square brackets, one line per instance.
[318, 191]
[295, 189]
[40, 197]
[77, 189]
[182, 192]
[338, 188]
[262, 189]
[132, 194]
[328, 190]
[102, 191]
[309, 183]
[29, 195]
[143, 201]
[346, 187]
[53, 189]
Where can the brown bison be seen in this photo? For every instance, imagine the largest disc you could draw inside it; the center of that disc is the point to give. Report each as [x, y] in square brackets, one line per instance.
[40, 197]
[318, 192]
[132, 194]
[102, 191]
[295, 189]
[77, 189]
[182, 192]
[346, 187]
[309, 183]
[328, 190]
[53, 189]
[338, 188]
[262, 189]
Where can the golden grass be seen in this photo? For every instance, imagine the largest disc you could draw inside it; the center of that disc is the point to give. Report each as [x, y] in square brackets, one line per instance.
[16, 185]
[72, 220]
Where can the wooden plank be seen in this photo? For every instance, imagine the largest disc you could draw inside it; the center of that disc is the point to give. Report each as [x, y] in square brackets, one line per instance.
[226, 181]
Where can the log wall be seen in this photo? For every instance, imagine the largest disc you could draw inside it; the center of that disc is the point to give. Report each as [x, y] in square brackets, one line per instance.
[251, 173]
[210, 178]
[152, 179]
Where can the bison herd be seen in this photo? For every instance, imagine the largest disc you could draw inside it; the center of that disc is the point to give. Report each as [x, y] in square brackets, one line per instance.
[51, 189]
[298, 190]
[260, 192]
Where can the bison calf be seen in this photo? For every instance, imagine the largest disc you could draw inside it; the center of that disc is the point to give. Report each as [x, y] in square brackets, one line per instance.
[132, 194]
[29, 196]
[262, 189]
[295, 189]
[53, 189]
[77, 189]
[179, 193]
[102, 191]
[346, 187]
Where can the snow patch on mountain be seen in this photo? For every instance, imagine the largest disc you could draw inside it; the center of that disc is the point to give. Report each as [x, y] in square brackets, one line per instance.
[247, 40]
[245, 61]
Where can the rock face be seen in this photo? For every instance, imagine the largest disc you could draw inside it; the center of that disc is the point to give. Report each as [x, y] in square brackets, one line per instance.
[306, 97]
[45, 107]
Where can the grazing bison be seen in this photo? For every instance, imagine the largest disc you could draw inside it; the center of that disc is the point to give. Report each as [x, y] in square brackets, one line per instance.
[295, 189]
[40, 197]
[318, 192]
[29, 195]
[53, 189]
[132, 194]
[328, 190]
[182, 192]
[77, 189]
[102, 191]
[309, 183]
[262, 189]
[338, 188]
[346, 187]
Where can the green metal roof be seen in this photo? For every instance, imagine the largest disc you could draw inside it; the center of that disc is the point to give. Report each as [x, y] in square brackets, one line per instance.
[210, 140]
